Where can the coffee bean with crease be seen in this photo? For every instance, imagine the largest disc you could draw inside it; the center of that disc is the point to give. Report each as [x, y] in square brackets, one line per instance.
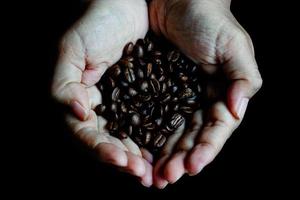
[149, 93]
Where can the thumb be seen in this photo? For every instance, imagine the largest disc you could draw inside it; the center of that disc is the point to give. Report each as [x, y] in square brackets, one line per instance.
[242, 71]
[67, 86]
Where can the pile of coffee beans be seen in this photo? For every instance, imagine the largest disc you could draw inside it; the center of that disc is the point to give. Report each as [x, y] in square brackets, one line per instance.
[149, 93]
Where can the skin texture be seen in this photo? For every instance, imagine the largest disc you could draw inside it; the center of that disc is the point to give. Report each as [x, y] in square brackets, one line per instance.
[204, 30]
[207, 32]
[93, 44]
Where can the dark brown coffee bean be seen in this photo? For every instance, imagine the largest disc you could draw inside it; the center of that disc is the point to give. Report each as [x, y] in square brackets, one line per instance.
[173, 56]
[158, 61]
[176, 107]
[149, 69]
[186, 93]
[157, 111]
[129, 59]
[157, 53]
[163, 87]
[114, 71]
[176, 121]
[184, 78]
[155, 86]
[114, 126]
[124, 84]
[100, 109]
[132, 92]
[191, 100]
[162, 78]
[167, 107]
[141, 62]
[150, 46]
[159, 140]
[138, 51]
[128, 48]
[126, 63]
[140, 74]
[147, 138]
[171, 67]
[129, 75]
[175, 99]
[149, 126]
[123, 107]
[115, 94]
[199, 89]
[135, 119]
[126, 97]
[186, 109]
[145, 98]
[130, 130]
[138, 141]
[144, 86]
[174, 89]
[113, 107]
[111, 82]
[166, 98]
[158, 121]
[169, 83]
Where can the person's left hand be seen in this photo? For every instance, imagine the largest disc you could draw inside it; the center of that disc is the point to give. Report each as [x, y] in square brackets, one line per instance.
[207, 32]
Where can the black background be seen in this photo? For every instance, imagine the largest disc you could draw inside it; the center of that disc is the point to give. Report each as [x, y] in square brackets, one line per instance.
[42, 156]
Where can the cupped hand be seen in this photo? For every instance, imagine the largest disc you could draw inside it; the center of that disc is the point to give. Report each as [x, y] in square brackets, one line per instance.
[207, 32]
[93, 44]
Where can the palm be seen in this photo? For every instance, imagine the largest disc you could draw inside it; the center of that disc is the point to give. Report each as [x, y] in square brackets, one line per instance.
[93, 44]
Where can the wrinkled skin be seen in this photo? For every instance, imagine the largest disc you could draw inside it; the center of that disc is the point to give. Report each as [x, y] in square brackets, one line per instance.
[204, 30]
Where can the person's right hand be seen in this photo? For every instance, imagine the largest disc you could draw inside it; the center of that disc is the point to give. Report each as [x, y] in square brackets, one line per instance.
[93, 44]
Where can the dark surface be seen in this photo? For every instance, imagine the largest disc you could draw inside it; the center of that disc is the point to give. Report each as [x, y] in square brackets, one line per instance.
[43, 157]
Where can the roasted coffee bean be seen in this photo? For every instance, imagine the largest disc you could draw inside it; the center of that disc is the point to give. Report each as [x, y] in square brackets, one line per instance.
[155, 86]
[135, 119]
[100, 109]
[123, 107]
[114, 71]
[176, 107]
[132, 92]
[173, 56]
[163, 87]
[150, 46]
[158, 121]
[159, 140]
[144, 86]
[147, 94]
[113, 107]
[149, 69]
[138, 51]
[140, 74]
[130, 130]
[128, 48]
[166, 98]
[129, 75]
[115, 94]
[187, 92]
[157, 54]
[186, 109]
[176, 121]
[126, 63]
[147, 138]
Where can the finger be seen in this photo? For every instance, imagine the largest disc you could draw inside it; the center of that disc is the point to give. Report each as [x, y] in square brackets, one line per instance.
[131, 146]
[95, 97]
[241, 68]
[158, 181]
[67, 86]
[211, 138]
[158, 174]
[187, 140]
[147, 155]
[147, 179]
[174, 168]
[135, 165]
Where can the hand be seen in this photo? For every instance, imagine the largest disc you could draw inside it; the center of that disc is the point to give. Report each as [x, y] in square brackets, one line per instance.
[93, 44]
[207, 32]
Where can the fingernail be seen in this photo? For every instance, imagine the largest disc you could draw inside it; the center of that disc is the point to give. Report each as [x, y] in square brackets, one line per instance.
[162, 186]
[241, 108]
[79, 110]
[145, 184]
